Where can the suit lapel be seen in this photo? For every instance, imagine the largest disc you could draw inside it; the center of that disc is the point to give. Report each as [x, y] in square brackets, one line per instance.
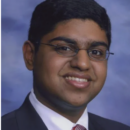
[91, 127]
[93, 123]
[28, 119]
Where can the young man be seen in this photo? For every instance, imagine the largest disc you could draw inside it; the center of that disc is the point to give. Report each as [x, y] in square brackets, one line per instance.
[67, 50]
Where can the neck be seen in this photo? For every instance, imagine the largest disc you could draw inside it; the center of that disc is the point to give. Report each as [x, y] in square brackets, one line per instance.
[72, 113]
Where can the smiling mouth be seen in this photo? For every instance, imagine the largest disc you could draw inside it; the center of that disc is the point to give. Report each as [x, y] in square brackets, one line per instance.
[77, 79]
[77, 82]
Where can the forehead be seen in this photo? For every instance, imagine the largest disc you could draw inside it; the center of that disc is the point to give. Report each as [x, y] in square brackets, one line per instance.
[82, 31]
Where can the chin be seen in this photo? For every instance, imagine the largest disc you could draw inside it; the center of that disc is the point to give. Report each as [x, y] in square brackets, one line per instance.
[78, 103]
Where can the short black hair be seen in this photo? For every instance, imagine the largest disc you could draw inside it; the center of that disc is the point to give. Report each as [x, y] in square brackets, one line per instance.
[50, 12]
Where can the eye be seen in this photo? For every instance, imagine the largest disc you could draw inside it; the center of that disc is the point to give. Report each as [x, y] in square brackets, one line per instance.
[96, 52]
[63, 48]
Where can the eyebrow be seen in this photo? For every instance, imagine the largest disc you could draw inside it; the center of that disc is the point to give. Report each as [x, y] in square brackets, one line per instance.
[65, 39]
[72, 41]
[99, 43]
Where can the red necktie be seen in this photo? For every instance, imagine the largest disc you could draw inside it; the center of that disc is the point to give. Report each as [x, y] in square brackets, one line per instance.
[79, 127]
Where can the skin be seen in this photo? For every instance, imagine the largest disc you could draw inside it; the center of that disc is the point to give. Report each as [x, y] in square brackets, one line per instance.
[49, 68]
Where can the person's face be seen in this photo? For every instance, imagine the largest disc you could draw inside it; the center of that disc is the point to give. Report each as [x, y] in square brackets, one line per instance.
[56, 74]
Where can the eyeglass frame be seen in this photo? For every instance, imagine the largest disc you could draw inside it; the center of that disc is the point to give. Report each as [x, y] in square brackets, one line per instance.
[77, 50]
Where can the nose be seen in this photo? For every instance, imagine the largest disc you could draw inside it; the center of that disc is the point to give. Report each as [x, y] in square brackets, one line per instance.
[81, 61]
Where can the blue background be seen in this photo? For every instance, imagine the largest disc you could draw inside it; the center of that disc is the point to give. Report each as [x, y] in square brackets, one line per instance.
[113, 102]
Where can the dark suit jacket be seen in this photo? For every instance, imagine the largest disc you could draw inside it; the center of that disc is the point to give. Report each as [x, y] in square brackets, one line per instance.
[26, 118]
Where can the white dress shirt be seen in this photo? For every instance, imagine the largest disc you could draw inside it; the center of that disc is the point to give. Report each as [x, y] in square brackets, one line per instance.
[53, 120]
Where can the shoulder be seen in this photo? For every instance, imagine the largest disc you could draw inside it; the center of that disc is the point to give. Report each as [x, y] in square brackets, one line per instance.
[107, 124]
[9, 121]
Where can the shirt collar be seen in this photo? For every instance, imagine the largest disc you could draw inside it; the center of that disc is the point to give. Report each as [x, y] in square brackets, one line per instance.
[53, 120]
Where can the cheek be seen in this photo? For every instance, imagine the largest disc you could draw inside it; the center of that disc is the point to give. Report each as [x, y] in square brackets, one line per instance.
[52, 65]
[47, 71]
[100, 70]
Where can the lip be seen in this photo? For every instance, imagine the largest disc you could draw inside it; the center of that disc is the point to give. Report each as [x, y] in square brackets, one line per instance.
[78, 84]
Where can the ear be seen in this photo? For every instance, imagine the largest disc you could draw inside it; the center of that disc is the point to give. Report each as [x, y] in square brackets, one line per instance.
[28, 54]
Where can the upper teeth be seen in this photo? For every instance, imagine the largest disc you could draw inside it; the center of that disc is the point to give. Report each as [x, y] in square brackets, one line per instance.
[77, 79]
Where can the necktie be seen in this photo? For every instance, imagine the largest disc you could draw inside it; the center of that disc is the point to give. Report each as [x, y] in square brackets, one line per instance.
[79, 127]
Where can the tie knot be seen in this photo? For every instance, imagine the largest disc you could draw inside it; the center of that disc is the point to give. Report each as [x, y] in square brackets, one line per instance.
[79, 127]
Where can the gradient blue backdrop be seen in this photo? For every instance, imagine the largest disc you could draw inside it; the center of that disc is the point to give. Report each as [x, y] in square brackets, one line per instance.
[114, 100]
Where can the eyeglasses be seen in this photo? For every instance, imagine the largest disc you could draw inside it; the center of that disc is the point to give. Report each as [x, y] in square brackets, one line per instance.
[71, 50]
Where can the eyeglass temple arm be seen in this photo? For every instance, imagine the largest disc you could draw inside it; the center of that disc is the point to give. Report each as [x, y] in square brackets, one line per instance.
[111, 53]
